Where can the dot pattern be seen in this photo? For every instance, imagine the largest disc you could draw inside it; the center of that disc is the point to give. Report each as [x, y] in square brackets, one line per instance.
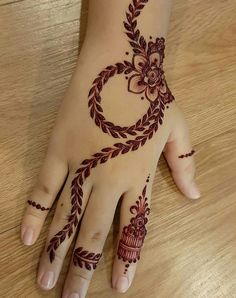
[37, 206]
[187, 154]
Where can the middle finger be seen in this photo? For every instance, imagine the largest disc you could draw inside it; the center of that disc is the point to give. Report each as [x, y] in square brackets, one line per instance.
[95, 226]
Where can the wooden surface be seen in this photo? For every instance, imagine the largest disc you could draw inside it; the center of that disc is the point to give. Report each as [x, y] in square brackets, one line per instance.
[191, 246]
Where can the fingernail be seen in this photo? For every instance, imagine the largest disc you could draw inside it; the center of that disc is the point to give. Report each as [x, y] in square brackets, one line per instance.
[194, 191]
[47, 280]
[74, 295]
[122, 284]
[28, 236]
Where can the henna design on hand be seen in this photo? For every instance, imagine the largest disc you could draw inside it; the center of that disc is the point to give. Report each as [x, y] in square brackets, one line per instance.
[133, 235]
[85, 259]
[145, 76]
[37, 206]
[187, 154]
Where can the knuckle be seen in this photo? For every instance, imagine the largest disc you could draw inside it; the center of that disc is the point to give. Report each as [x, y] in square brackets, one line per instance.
[42, 187]
[186, 168]
[186, 172]
[97, 235]
[32, 212]
[189, 168]
[58, 257]
[79, 274]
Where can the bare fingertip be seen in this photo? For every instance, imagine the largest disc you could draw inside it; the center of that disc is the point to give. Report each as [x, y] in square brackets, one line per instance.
[122, 284]
[46, 282]
[27, 236]
[194, 191]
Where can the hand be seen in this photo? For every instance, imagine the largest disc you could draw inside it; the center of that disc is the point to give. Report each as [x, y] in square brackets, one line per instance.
[105, 147]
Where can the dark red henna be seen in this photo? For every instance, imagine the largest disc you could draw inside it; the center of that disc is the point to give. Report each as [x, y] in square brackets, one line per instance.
[145, 76]
[85, 259]
[187, 154]
[148, 75]
[126, 268]
[84, 171]
[133, 235]
[37, 206]
[96, 110]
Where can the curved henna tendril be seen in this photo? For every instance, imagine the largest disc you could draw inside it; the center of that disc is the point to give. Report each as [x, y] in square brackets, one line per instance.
[145, 77]
[187, 154]
[37, 206]
[96, 110]
[85, 259]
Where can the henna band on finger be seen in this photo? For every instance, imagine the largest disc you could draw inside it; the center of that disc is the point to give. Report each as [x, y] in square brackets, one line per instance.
[187, 154]
[37, 206]
[86, 259]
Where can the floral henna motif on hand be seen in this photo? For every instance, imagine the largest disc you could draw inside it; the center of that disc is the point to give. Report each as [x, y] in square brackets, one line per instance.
[37, 206]
[133, 235]
[85, 259]
[145, 77]
[187, 154]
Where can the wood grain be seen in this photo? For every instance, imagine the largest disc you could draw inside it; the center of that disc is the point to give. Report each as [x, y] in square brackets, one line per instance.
[190, 248]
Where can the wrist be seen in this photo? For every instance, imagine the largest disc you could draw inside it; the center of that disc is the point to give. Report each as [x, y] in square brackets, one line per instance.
[106, 22]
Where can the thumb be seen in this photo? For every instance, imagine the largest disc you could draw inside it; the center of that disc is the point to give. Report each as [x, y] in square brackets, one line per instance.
[179, 153]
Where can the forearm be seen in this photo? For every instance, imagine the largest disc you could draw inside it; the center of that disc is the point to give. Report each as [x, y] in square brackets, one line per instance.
[106, 31]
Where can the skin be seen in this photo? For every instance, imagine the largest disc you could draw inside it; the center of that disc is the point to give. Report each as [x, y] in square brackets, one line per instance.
[75, 137]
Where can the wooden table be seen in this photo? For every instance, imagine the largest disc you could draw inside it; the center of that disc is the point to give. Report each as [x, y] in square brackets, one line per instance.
[194, 243]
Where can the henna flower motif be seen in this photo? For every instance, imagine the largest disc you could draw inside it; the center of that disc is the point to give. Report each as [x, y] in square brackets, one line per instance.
[139, 221]
[149, 75]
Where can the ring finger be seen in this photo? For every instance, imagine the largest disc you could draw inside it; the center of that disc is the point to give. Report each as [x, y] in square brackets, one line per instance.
[133, 229]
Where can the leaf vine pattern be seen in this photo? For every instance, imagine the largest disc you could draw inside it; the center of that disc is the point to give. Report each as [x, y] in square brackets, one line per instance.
[85, 259]
[145, 77]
